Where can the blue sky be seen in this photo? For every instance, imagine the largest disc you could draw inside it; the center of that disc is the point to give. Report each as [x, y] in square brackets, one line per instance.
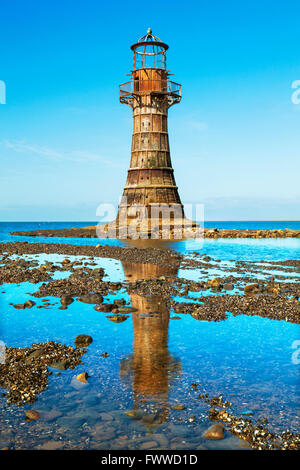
[65, 138]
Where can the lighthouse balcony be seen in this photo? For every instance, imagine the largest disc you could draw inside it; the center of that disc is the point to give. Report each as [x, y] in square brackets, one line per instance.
[136, 88]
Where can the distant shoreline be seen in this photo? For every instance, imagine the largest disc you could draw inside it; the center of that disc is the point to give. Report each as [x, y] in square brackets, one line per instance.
[90, 232]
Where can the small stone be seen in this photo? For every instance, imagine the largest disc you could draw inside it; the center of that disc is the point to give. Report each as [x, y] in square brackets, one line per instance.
[91, 298]
[119, 302]
[106, 308]
[228, 286]
[29, 304]
[178, 407]
[61, 365]
[127, 309]
[134, 414]
[148, 445]
[215, 432]
[51, 445]
[66, 300]
[117, 318]
[32, 415]
[251, 288]
[214, 283]
[82, 377]
[82, 341]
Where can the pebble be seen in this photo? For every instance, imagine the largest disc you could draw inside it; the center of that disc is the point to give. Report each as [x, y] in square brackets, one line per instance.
[215, 432]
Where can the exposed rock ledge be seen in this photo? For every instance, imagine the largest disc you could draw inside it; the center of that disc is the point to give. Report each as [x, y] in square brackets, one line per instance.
[90, 232]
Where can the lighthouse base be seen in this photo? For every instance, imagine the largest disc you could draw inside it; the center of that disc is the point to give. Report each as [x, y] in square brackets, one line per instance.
[150, 228]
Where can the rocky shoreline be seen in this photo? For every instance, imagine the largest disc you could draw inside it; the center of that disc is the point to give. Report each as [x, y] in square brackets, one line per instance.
[135, 255]
[26, 370]
[263, 288]
[269, 298]
[90, 232]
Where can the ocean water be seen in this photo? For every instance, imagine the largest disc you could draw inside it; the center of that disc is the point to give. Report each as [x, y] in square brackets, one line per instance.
[153, 359]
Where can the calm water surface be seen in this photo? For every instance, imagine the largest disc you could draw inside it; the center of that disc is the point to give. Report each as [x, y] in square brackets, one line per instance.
[153, 359]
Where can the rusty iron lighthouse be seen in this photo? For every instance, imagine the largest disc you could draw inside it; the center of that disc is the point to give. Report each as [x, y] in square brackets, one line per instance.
[150, 196]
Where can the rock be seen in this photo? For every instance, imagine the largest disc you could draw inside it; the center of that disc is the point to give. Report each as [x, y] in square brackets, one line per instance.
[51, 415]
[77, 384]
[119, 302]
[34, 355]
[51, 445]
[82, 377]
[29, 304]
[105, 354]
[127, 309]
[214, 283]
[61, 365]
[178, 407]
[81, 341]
[32, 415]
[148, 445]
[215, 432]
[117, 318]
[228, 286]
[251, 288]
[134, 414]
[91, 298]
[66, 300]
[106, 308]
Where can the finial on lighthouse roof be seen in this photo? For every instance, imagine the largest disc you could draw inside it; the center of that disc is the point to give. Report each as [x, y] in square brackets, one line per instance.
[149, 31]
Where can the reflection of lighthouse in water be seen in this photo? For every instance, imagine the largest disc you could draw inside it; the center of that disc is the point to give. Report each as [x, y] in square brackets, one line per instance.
[150, 369]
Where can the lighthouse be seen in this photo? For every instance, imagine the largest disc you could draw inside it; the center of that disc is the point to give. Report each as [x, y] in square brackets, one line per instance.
[150, 205]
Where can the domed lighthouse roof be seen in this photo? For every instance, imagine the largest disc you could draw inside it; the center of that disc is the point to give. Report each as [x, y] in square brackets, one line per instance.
[149, 39]
[148, 48]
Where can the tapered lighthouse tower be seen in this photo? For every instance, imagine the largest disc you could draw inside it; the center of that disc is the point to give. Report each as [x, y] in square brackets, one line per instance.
[150, 193]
